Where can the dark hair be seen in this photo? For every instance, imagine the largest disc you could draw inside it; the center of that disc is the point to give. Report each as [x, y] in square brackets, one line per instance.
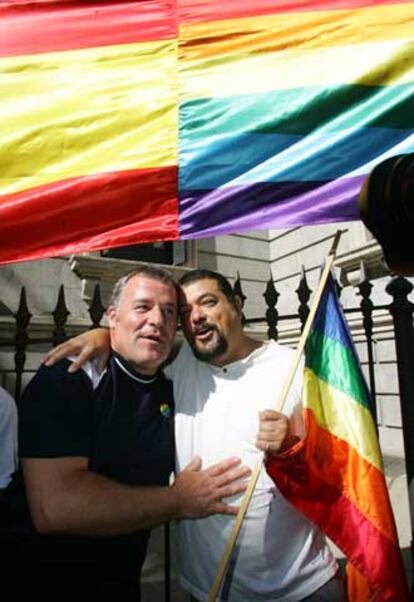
[204, 274]
[147, 271]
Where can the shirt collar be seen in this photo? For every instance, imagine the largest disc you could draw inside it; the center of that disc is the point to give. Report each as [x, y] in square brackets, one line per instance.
[126, 367]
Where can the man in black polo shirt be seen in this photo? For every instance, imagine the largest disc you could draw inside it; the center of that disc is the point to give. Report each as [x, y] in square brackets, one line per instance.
[97, 453]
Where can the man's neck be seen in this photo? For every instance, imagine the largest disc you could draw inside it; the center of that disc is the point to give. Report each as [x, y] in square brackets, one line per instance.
[133, 370]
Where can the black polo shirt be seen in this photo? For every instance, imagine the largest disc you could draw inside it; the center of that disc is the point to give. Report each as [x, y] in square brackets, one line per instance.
[125, 427]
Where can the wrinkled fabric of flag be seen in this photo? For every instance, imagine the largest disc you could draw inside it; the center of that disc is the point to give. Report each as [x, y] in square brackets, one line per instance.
[335, 475]
[132, 122]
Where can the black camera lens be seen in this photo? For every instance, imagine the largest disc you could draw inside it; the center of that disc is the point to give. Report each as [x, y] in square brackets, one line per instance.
[386, 205]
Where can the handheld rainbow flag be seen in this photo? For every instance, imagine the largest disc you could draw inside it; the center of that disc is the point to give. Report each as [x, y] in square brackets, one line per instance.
[128, 122]
[335, 476]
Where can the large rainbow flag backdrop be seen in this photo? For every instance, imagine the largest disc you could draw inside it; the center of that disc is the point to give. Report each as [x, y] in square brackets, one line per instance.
[128, 122]
[335, 475]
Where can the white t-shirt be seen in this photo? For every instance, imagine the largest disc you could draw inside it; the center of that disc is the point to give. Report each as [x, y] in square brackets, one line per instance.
[279, 555]
[8, 437]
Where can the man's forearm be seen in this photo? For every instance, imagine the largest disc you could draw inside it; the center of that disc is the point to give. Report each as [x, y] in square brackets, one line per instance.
[94, 505]
[77, 501]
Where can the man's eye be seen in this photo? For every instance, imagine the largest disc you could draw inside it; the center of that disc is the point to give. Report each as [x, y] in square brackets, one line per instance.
[209, 302]
[169, 312]
[141, 308]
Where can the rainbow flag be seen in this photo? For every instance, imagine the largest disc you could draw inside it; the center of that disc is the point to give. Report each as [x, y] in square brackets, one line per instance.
[335, 476]
[131, 122]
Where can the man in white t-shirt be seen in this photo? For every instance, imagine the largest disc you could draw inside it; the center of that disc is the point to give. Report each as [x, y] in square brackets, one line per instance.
[8, 438]
[223, 380]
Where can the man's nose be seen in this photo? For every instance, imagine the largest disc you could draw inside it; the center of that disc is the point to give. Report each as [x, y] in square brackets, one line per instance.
[197, 315]
[156, 316]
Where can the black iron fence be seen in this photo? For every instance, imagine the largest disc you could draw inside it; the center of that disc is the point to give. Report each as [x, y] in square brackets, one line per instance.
[22, 340]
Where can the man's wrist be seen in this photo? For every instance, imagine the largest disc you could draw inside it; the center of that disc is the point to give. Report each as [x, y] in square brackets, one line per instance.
[285, 449]
[176, 503]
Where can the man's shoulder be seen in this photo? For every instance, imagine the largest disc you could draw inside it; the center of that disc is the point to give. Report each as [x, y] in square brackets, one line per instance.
[273, 348]
[58, 370]
[58, 376]
[282, 356]
[91, 370]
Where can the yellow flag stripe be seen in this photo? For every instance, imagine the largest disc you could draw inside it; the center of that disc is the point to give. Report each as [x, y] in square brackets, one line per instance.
[364, 64]
[357, 429]
[77, 113]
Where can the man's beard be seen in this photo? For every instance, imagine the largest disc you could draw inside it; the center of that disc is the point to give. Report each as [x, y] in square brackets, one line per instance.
[216, 350]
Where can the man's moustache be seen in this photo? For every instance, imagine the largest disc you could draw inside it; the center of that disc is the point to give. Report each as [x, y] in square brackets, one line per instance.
[205, 328]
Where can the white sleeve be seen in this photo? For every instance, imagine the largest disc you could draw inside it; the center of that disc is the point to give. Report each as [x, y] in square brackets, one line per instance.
[8, 438]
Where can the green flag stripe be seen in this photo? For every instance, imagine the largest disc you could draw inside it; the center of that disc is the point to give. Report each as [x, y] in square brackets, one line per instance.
[323, 353]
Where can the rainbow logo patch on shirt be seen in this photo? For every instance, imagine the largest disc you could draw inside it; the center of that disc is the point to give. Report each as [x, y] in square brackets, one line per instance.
[165, 410]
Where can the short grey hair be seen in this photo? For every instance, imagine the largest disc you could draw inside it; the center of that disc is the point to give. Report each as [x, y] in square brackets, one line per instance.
[146, 271]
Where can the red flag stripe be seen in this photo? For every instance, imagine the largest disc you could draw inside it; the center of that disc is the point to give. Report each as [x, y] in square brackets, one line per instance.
[87, 25]
[146, 210]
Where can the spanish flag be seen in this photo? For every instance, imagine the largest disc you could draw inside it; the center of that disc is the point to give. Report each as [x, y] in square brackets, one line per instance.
[129, 122]
[89, 126]
[335, 475]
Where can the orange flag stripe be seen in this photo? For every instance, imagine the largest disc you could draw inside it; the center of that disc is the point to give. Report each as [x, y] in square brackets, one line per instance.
[363, 484]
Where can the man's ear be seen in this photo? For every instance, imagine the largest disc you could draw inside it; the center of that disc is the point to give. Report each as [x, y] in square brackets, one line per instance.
[238, 304]
[111, 315]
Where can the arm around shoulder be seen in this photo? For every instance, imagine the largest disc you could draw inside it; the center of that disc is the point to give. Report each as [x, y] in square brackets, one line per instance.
[86, 346]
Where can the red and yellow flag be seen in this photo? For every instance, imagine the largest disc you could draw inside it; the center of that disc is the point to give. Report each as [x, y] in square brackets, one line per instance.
[89, 125]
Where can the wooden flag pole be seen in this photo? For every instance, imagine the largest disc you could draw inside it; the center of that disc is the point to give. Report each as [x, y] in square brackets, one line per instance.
[228, 551]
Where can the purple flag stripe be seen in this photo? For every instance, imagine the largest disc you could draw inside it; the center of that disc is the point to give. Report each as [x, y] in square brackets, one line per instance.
[267, 205]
